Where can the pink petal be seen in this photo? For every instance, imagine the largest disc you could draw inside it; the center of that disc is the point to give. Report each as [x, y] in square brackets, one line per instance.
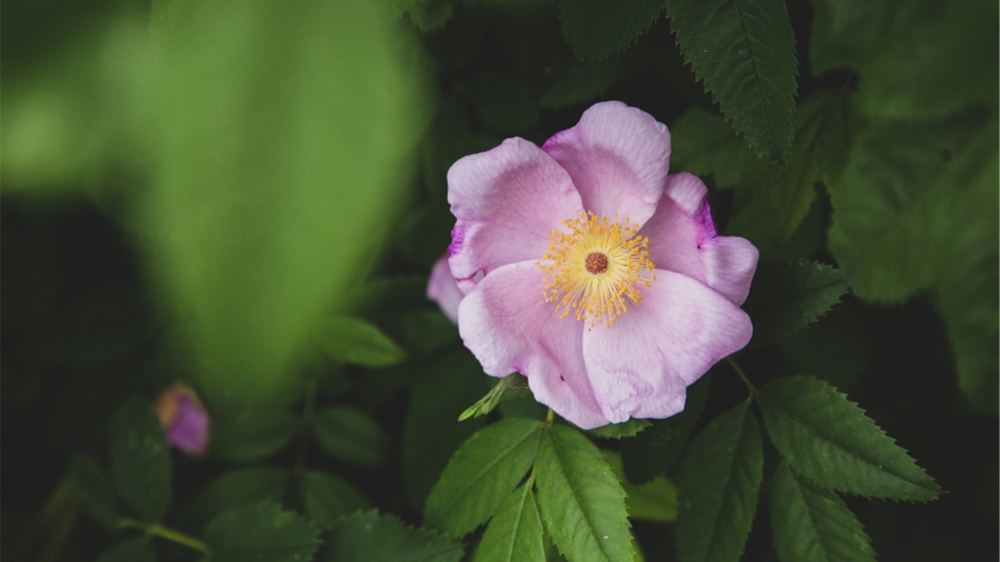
[189, 429]
[682, 238]
[443, 289]
[641, 365]
[618, 157]
[509, 327]
[507, 202]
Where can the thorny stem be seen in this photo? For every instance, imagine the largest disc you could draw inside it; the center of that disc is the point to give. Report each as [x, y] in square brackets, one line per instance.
[155, 529]
[746, 380]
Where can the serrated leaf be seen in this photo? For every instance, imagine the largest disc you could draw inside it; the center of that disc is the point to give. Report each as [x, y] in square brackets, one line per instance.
[654, 501]
[628, 428]
[250, 485]
[131, 550]
[357, 342]
[351, 435]
[255, 435]
[786, 297]
[95, 493]
[328, 498]
[811, 524]
[370, 537]
[515, 533]
[704, 144]
[744, 51]
[581, 500]
[141, 466]
[829, 440]
[657, 449]
[262, 533]
[719, 488]
[481, 474]
[600, 28]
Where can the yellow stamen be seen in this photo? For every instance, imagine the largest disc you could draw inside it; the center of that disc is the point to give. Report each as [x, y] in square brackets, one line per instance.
[592, 268]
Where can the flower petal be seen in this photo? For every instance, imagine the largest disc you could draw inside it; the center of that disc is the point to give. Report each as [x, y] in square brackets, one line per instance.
[682, 238]
[443, 289]
[618, 157]
[641, 365]
[507, 202]
[509, 327]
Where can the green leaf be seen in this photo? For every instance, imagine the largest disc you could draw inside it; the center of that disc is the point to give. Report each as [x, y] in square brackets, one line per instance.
[837, 350]
[95, 493]
[744, 51]
[581, 500]
[431, 16]
[358, 342]
[578, 83]
[829, 440]
[903, 75]
[781, 198]
[250, 485]
[655, 501]
[481, 474]
[328, 498]
[719, 488]
[255, 435]
[140, 459]
[262, 533]
[628, 428]
[654, 451]
[703, 144]
[599, 28]
[786, 297]
[515, 533]
[485, 405]
[811, 524]
[370, 537]
[131, 550]
[421, 332]
[502, 103]
[279, 163]
[351, 435]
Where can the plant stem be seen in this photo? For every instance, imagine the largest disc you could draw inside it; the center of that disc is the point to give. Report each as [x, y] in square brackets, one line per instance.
[155, 529]
[549, 417]
[746, 380]
[302, 452]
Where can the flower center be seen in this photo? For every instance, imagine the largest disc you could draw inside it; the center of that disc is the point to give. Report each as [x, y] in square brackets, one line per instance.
[594, 267]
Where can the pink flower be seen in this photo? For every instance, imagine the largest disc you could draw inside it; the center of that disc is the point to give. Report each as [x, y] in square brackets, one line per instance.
[596, 274]
[184, 418]
[443, 289]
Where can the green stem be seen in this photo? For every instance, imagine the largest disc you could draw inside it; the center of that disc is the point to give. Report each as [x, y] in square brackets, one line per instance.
[302, 451]
[155, 529]
[746, 380]
[549, 417]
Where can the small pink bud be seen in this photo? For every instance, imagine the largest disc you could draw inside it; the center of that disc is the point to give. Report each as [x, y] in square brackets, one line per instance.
[184, 418]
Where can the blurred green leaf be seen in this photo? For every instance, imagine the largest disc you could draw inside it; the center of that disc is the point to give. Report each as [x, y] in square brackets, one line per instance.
[582, 502]
[431, 16]
[786, 297]
[95, 493]
[744, 52]
[704, 144]
[627, 428]
[811, 524]
[256, 435]
[421, 332]
[515, 533]
[328, 498]
[287, 137]
[502, 103]
[719, 488]
[579, 83]
[836, 350]
[141, 466]
[262, 533]
[829, 440]
[250, 485]
[131, 550]
[653, 501]
[481, 474]
[351, 435]
[654, 451]
[358, 342]
[597, 29]
[370, 537]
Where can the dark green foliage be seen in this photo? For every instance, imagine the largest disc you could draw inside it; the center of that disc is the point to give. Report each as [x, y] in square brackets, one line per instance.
[581, 500]
[328, 498]
[503, 104]
[249, 485]
[355, 341]
[814, 525]
[263, 533]
[829, 440]
[627, 428]
[836, 350]
[597, 29]
[786, 297]
[259, 434]
[131, 550]
[515, 533]
[95, 493]
[703, 144]
[140, 459]
[481, 474]
[579, 83]
[370, 537]
[719, 488]
[351, 435]
[744, 52]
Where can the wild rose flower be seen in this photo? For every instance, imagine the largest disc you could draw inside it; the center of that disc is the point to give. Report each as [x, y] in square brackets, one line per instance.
[184, 418]
[596, 274]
